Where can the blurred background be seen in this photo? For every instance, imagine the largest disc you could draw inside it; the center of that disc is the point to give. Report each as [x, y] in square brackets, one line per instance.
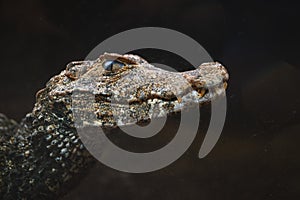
[258, 42]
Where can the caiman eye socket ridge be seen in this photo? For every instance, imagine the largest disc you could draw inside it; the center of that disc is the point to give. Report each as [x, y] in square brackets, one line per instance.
[112, 65]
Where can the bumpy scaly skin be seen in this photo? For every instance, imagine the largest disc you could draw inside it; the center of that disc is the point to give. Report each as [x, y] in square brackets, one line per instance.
[43, 154]
[40, 158]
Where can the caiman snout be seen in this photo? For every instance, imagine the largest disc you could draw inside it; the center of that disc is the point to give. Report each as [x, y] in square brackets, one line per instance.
[207, 75]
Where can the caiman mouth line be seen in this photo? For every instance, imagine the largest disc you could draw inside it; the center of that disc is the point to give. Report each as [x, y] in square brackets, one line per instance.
[140, 98]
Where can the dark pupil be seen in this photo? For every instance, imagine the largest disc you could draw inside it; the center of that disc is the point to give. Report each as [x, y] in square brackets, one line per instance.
[111, 65]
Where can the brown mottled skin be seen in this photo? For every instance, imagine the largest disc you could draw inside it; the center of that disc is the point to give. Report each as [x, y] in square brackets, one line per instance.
[41, 156]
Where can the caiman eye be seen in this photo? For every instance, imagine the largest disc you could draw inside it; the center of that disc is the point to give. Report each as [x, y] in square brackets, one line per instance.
[112, 65]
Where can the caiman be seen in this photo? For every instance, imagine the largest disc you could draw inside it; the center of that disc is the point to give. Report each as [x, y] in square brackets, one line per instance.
[41, 156]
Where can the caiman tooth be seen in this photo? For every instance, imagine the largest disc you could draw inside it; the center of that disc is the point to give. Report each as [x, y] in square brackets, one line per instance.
[225, 85]
[202, 92]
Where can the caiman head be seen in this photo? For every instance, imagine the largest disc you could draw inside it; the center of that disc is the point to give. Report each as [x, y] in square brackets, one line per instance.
[126, 89]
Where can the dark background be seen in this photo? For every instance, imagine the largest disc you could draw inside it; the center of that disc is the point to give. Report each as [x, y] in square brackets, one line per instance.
[258, 41]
